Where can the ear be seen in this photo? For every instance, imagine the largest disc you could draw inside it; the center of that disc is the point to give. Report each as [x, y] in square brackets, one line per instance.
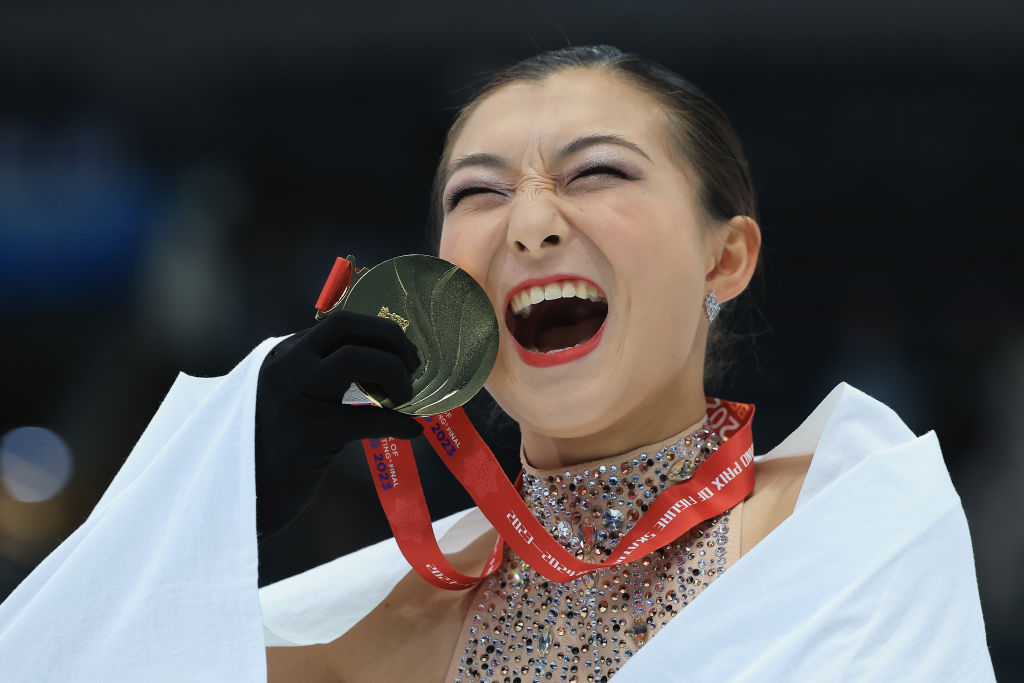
[732, 257]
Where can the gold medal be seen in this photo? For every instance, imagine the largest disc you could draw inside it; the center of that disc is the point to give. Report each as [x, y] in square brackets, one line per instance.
[445, 313]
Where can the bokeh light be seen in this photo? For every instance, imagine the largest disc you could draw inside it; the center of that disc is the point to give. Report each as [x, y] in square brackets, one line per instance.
[35, 463]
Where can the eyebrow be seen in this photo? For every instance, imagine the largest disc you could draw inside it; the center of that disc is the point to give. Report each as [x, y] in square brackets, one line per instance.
[485, 160]
[479, 159]
[586, 141]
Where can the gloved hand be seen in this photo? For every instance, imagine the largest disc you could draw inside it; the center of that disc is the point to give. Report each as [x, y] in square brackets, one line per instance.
[301, 423]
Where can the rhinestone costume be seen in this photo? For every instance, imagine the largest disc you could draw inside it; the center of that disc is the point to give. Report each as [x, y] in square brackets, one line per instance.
[522, 627]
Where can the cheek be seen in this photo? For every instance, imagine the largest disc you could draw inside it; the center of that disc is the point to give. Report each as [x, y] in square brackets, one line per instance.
[664, 289]
[467, 249]
[508, 393]
[447, 244]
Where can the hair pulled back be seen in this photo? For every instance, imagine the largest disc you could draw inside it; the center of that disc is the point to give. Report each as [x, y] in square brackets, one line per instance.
[704, 140]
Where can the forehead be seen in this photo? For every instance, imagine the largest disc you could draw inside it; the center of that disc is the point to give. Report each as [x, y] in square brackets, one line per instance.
[559, 108]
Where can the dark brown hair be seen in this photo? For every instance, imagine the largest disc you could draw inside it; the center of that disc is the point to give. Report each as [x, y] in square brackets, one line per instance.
[704, 139]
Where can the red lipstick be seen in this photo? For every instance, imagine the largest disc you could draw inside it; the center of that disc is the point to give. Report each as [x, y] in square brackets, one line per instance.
[544, 359]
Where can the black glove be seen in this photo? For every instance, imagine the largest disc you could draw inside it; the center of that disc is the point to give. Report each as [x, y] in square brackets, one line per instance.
[301, 423]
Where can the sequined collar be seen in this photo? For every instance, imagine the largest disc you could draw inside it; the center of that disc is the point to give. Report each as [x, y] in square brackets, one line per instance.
[589, 507]
[523, 627]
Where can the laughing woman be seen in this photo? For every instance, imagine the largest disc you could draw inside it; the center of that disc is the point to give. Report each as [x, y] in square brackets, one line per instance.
[604, 205]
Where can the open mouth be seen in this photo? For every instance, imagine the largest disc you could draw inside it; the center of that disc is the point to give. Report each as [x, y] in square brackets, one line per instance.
[556, 317]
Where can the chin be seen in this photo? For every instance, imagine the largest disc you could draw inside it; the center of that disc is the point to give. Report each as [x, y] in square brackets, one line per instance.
[554, 414]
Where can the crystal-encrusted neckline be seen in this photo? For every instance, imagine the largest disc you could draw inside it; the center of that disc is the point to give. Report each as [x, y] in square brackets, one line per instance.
[588, 508]
[521, 627]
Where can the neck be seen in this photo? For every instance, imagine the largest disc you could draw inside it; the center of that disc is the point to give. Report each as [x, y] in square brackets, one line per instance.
[589, 507]
[649, 423]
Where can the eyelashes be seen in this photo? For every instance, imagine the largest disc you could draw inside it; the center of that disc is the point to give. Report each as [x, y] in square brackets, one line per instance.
[457, 194]
[591, 175]
[602, 168]
[461, 191]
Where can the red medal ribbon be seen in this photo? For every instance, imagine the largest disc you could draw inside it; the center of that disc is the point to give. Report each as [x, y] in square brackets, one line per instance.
[720, 482]
[336, 285]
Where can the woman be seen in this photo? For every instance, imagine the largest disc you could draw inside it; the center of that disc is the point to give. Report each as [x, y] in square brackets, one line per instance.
[605, 207]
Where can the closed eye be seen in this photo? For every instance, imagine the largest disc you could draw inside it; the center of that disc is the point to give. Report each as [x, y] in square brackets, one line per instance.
[590, 176]
[457, 194]
[600, 170]
[600, 177]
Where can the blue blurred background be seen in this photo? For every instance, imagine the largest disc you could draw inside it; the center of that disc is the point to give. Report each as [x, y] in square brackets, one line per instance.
[177, 178]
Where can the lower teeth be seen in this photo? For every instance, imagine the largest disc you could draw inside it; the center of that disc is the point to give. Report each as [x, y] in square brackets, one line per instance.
[534, 349]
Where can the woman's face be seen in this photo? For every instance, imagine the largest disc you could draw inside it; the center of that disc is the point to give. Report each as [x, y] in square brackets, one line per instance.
[566, 181]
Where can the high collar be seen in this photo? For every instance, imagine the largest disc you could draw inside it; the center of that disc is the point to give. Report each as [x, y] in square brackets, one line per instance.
[588, 507]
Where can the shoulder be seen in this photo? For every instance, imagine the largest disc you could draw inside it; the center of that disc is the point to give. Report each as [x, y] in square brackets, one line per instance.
[848, 435]
[777, 485]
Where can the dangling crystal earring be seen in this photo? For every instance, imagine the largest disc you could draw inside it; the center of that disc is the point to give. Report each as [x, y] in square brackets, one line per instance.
[711, 306]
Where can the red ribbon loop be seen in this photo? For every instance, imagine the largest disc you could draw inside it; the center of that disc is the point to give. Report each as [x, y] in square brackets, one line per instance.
[336, 284]
[720, 482]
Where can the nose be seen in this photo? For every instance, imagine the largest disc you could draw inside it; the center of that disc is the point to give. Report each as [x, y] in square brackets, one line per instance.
[535, 223]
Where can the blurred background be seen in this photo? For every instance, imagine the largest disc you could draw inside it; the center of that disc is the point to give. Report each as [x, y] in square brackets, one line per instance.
[177, 178]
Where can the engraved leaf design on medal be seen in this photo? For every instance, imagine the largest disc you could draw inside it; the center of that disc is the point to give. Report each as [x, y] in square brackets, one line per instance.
[475, 348]
[451, 322]
[437, 333]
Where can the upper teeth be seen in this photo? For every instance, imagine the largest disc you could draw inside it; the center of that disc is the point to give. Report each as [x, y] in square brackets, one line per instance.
[523, 300]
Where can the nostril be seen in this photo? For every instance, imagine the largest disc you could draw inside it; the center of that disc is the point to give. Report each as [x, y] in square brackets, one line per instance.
[551, 239]
[520, 246]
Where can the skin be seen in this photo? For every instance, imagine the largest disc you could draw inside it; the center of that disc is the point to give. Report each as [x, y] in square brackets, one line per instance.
[643, 242]
[408, 637]
[640, 238]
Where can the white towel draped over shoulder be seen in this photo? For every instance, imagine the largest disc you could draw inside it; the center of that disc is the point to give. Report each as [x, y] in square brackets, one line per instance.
[871, 578]
[160, 582]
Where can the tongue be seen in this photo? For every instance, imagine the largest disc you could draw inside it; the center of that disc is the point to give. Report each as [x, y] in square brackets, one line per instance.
[568, 336]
